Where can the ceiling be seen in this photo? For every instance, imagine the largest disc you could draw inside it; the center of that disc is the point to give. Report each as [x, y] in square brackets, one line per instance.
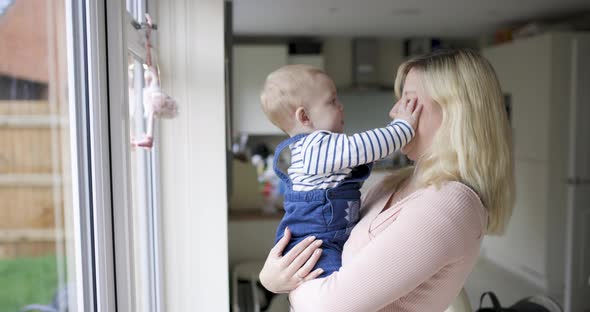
[398, 18]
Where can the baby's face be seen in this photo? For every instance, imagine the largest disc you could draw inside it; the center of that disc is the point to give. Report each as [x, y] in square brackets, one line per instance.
[325, 110]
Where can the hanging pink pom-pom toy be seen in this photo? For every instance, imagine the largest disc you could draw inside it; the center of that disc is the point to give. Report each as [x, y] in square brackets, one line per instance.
[156, 103]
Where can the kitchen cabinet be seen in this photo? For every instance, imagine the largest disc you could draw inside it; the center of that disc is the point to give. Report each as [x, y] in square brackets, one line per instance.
[536, 76]
[338, 60]
[251, 65]
[316, 61]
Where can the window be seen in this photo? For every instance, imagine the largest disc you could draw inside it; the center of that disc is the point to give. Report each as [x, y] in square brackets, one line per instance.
[79, 222]
[39, 256]
[79, 206]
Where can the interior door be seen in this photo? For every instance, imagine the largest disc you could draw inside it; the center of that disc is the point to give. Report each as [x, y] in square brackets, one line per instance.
[578, 226]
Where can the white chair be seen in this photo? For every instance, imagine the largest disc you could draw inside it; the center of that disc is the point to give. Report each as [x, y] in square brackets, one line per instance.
[461, 303]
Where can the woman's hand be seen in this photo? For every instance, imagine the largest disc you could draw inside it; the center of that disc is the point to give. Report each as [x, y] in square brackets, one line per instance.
[281, 274]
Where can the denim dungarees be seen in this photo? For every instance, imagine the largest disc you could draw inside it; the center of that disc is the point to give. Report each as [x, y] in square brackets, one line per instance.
[328, 214]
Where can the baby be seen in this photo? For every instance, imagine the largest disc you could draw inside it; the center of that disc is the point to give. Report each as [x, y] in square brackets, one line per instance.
[327, 167]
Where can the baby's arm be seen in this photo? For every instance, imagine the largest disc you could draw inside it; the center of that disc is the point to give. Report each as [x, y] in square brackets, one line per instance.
[324, 151]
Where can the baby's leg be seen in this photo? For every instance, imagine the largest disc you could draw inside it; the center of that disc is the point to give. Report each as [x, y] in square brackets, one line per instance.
[331, 259]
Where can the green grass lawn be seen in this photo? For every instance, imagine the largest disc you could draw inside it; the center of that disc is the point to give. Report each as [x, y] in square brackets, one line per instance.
[26, 281]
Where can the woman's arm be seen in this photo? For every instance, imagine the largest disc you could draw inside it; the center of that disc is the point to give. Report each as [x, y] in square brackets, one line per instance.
[432, 231]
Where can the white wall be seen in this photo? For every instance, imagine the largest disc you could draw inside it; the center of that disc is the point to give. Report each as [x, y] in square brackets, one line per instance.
[193, 162]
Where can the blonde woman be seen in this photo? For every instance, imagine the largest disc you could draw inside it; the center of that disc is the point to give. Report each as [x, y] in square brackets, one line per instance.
[421, 229]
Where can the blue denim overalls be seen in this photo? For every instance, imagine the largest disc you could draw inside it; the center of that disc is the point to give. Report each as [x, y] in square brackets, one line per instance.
[328, 214]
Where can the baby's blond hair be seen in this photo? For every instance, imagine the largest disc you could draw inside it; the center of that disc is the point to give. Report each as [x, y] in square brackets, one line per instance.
[282, 93]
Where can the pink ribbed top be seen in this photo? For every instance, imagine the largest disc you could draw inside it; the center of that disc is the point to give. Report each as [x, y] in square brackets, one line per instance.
[414, 256]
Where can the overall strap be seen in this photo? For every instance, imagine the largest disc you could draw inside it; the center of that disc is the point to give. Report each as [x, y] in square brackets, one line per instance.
[284, 177]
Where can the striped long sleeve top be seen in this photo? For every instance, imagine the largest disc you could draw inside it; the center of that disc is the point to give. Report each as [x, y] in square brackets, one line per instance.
[322, 159]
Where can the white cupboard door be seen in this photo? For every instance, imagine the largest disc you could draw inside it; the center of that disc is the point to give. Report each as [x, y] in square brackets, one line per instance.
[251, 65]
[577, 284]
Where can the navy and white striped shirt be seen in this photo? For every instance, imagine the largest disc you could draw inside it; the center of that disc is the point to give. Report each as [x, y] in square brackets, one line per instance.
[322, 159]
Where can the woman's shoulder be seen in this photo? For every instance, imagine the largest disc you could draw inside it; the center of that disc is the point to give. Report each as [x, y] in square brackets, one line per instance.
[453, 192]
[454, 189]
[456, 202]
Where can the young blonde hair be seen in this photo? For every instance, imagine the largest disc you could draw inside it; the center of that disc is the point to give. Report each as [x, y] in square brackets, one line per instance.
[473, 144]
[282, 93]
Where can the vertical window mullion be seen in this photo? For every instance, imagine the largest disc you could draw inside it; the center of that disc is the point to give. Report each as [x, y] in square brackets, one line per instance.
[89, 103]
[100, 156]
[82, 252]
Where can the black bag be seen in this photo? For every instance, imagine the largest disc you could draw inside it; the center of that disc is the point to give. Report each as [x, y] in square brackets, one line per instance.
[530, 304]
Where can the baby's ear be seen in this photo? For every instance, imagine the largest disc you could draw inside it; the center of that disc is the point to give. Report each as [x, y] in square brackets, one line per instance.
[302, 117]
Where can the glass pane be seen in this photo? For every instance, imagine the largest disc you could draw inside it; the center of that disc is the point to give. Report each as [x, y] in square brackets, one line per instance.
[142, 177]
[131, 7]
[35, 175]
[136, 8]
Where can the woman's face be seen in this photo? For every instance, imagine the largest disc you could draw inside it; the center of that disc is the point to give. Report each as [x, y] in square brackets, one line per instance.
[429, 120]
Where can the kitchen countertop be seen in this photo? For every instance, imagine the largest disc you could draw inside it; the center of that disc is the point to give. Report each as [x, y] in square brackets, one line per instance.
[245, 215]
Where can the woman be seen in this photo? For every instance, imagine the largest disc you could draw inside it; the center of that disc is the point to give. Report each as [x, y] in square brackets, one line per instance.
[421, 228]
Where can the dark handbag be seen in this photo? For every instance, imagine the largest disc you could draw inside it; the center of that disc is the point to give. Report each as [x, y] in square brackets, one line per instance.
[530, 304]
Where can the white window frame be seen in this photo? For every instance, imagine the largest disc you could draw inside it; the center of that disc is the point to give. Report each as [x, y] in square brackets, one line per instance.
[120, 166]
[94, 279]
[97, 50]
[100, 149]
[128, 39]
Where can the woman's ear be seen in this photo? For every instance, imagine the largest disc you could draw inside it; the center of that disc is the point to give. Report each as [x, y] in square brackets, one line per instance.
[302, 117]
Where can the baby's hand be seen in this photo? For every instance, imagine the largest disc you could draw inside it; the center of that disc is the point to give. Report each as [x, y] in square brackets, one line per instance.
[408, 110]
